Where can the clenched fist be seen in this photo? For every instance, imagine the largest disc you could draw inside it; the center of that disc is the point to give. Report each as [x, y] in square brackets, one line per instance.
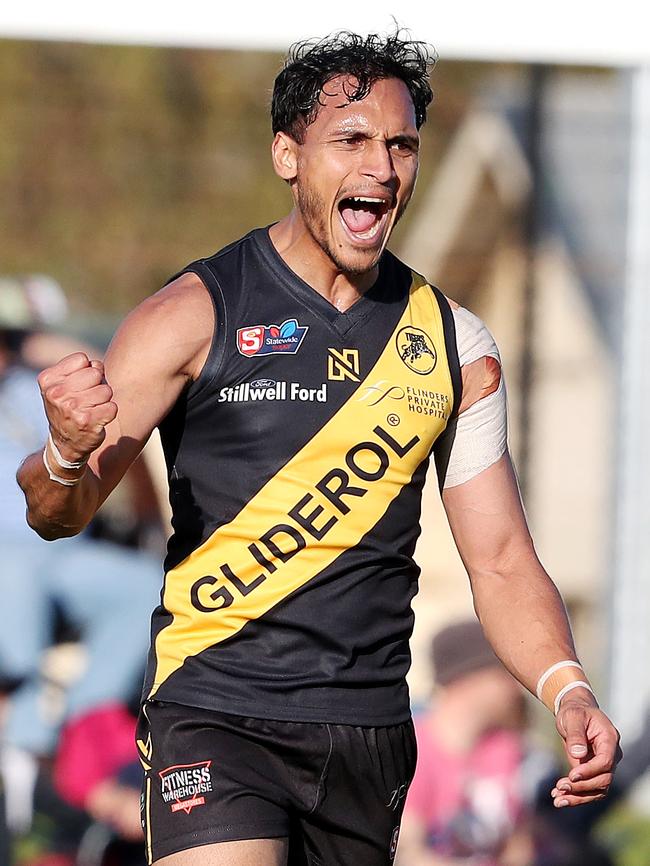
[78, 404]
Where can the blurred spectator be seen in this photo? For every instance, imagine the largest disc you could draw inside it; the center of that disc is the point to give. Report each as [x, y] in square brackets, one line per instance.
[467, 802]
[105, 782]
[102, 589]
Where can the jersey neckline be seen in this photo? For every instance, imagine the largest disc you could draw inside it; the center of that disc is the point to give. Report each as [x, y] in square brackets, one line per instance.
[342, 322]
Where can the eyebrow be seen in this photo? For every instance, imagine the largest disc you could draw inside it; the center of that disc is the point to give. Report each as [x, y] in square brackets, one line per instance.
[412, 140]
[349, 128]
[353, 129]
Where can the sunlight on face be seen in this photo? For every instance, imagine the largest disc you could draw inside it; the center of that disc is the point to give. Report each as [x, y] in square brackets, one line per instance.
[356, 170]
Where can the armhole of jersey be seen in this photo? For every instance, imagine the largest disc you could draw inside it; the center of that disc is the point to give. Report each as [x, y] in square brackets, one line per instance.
[217, 349]
[451, 347]
[442, 447]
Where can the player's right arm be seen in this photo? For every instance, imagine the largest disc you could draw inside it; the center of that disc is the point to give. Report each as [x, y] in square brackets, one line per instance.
[104, 412]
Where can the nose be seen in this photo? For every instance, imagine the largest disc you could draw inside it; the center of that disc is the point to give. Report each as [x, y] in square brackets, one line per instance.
[378, 161]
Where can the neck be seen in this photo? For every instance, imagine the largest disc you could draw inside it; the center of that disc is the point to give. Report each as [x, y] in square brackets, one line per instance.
[300, 252]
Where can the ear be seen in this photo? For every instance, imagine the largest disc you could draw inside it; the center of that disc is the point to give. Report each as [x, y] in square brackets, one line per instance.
[284, 153]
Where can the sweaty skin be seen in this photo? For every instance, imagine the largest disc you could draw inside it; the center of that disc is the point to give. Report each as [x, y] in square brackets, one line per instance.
[106, 410]
[366, 149]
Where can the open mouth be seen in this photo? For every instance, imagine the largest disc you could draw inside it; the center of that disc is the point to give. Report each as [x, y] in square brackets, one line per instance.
[363, 216]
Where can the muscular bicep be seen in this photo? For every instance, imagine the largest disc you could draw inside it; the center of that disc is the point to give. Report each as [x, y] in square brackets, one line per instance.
[487, 518]
[157, 351]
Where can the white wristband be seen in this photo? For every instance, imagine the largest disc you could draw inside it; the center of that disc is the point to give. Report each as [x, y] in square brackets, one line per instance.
[63, 463]
[569, 687]
[541, 682]
[67, 482]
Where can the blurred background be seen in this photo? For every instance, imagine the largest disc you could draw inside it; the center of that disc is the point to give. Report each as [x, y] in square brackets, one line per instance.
[130, 146]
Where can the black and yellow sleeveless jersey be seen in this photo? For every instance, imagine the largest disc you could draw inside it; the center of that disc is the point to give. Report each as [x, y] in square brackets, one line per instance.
[296, 463]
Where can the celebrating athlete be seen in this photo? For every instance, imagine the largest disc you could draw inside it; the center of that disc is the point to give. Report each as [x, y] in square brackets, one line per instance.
[301, 379]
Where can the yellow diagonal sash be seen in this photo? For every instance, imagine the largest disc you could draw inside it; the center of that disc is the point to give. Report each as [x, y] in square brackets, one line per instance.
[377, 443]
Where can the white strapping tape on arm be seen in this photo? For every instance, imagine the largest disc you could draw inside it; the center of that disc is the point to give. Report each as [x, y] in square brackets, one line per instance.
[481, 432]
[567, 663]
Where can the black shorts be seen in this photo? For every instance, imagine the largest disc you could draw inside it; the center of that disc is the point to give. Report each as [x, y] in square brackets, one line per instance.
[336, 791]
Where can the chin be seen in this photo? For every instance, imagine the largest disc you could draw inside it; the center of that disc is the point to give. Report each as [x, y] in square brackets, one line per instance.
[356, 266]
[355, 262]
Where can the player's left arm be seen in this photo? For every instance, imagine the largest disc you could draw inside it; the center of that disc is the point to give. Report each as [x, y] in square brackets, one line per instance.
[519, 607]
[524, 619]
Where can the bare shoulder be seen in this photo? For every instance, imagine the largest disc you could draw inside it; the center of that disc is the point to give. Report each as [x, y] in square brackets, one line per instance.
[170, 331]
[157, 351]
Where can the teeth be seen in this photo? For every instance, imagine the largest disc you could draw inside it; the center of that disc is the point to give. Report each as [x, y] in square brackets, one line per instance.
[367, 199]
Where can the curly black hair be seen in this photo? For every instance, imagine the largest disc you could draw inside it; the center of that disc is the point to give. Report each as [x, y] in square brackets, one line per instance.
[312, 63]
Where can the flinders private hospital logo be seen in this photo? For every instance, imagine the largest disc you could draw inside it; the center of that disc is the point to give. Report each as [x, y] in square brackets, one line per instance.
[420, 401]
